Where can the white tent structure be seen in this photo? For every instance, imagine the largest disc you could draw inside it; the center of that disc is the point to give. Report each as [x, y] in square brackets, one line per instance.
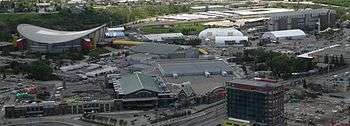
[284, 34]
[230, 40]
[211, 33]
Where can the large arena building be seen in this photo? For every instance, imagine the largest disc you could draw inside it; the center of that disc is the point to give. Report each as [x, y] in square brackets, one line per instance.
[43, 40]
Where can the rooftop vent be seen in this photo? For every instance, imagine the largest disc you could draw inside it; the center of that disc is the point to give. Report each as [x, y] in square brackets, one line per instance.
[175, 75]
[207, 74]
[223, 73]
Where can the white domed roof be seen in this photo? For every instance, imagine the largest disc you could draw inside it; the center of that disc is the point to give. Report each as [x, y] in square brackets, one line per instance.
[211, 33]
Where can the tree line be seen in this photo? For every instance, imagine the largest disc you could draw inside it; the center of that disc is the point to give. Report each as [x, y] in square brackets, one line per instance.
[38, 70]
[70, 20]
[184, 28]
[343, 3]
[281, 65]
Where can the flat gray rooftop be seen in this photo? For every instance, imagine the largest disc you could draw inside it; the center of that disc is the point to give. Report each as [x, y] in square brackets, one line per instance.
[315, 12]
[200, 84]
[156, 48]
[193, 67]
[256, 83]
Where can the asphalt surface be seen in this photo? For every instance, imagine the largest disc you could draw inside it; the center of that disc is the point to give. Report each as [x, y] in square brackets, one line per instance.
[209, 117]
[213, 117]
[62, 120]
[43, 124]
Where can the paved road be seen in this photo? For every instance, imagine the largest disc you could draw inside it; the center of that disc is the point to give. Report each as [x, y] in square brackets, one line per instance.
[72, 120]
[219, 119]
[211, 116]
[64, 120]
[43, 124]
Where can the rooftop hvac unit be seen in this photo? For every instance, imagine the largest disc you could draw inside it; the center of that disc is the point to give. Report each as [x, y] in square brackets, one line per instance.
[223, 73]
[175, 75]
[162, 84]
[207, 74]
[158, 81]
[117, 90]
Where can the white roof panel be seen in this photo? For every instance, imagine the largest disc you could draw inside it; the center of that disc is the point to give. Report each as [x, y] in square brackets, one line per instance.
[116, 29]
[230, 38]
[44, 35]
[288, 33]
[213, 32]
[159, 37]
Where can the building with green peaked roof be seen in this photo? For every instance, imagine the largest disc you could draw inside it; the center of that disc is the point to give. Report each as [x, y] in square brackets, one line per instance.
[139, 91]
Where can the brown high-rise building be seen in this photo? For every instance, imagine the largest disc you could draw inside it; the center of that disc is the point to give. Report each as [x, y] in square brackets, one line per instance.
[256, 101]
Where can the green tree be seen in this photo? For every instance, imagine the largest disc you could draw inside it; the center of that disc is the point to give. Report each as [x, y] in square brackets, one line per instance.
[121, 122]
[244, 68]
[326, 59]
[194, 41]
[332, 59]
[279, 66]
[341, 60]
[68, 20]
[2, 73]
[336, 61]
[40, 70]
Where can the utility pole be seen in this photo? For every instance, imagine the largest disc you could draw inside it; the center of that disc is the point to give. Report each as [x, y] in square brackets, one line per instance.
[349, 114]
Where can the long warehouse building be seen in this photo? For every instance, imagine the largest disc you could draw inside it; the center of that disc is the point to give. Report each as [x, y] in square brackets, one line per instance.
[43, 40]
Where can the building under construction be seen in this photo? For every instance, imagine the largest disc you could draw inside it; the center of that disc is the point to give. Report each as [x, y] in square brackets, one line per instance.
[259, 102]
[307, 20]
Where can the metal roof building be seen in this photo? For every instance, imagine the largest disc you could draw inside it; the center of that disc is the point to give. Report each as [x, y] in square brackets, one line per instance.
[262, 84]
[158, 49]
[284, 34]
[73, 67]
[39, 39]
[163, 37]
[141, 58]
[105, 70]
[211, 33]
[207, 76]
[115, 32]
[116, 29]
[193, 67]
[136, 82]
[230, 40]
[142, 91]
[166, 50]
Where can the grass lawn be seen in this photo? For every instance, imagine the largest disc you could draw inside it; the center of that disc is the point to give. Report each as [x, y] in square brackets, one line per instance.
[184, 28]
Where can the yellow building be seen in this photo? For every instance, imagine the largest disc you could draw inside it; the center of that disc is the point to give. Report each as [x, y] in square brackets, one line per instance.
[236, 122]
